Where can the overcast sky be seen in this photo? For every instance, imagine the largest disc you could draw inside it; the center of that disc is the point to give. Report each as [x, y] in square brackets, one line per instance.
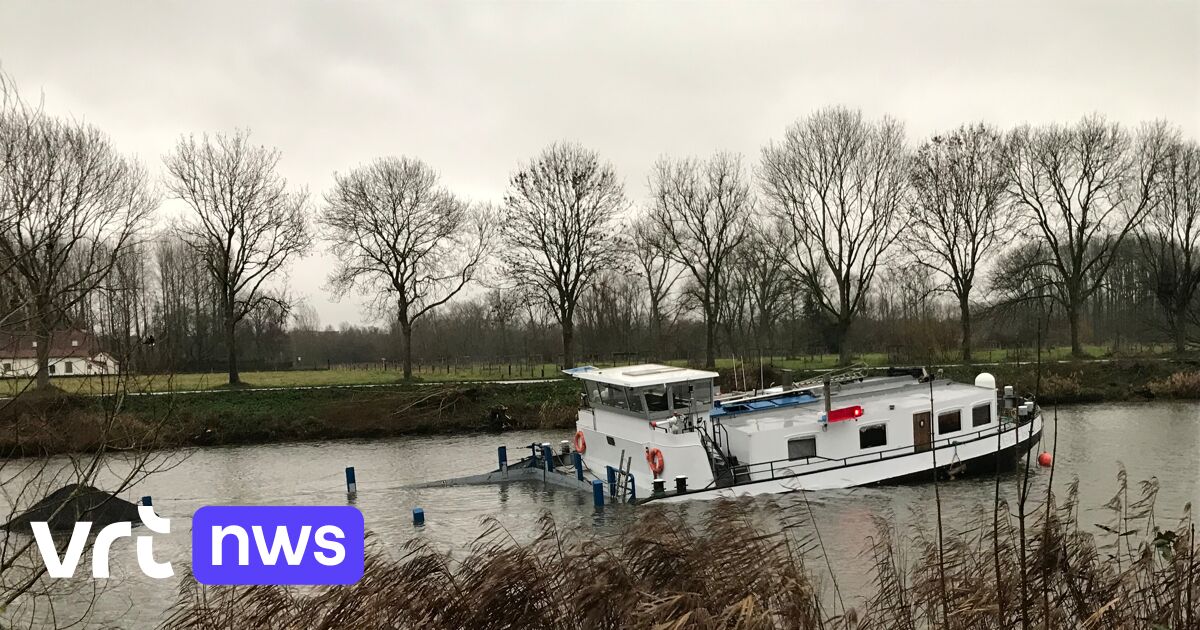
[474, 89]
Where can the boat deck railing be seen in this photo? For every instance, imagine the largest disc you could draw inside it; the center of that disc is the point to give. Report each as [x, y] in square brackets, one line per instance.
[782, 468]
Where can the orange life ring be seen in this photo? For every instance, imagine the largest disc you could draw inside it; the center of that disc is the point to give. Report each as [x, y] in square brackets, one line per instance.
[580, 443]
[654, 457]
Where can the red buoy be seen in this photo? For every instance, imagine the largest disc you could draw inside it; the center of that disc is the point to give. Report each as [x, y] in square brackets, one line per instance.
[1045, 459]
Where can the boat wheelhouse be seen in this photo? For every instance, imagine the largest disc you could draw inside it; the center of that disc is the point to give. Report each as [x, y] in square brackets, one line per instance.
[648, 424]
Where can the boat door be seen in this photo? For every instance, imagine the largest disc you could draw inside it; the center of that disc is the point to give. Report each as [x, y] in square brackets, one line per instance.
[922, 431]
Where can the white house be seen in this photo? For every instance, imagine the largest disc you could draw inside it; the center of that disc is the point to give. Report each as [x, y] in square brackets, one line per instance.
[72, 352]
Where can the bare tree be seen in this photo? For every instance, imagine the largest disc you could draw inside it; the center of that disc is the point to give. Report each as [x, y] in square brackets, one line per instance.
[1085, 187]
[840, 183]
[560, 230]
[957, 218]
[70, 206]
[703, 210]
[244, 223]
[1170, 239]
[654, 267]
[395, 230]
[763, 270]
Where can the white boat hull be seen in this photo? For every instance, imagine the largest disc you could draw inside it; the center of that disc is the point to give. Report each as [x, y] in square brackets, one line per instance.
[1013, 440]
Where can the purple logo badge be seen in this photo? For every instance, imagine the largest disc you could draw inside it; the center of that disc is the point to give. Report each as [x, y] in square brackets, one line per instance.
[301, 545]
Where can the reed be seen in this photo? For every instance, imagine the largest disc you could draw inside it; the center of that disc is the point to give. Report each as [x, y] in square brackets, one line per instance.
[732, 570]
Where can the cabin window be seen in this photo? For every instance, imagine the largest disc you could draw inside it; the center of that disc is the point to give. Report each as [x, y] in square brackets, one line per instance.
[593, 392]
[70, 367]
[802, 448]
[872, 436]
[614, 396]
[981, 415]
[52, 368]
[702, 392]
[656, 399]
[635, 401]
[7, 367]
[949, 422]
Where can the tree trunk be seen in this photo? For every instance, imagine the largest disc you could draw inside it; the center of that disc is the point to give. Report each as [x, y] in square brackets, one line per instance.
[842, 336]
[710, 341]
[42, 380]
[1073, 321]
[1180, 330]
[230, 348]
[965, 318]
[406, 333]
[568, 339]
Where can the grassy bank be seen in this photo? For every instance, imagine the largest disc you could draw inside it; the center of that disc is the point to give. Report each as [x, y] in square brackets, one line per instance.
[65, 423]
[387, 373]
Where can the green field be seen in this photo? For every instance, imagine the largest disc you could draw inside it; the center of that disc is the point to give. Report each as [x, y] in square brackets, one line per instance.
[377, 375]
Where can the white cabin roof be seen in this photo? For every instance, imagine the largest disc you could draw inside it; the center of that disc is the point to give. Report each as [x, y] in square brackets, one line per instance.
[642, 375]
[877, 397]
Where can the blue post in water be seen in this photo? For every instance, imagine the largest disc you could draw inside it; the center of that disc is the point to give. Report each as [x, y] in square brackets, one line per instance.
[351, 485]
[578, 459]
[502, 455]
[418, 517]
[146, 501]
[548, 457]
[612, 480]
[598, 493]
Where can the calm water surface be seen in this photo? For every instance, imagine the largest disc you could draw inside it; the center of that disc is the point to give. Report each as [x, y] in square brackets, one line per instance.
[1159, 440]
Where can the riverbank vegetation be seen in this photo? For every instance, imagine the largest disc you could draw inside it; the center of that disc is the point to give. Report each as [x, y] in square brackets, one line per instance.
[751, 565]
[60, 423]
[47, 424]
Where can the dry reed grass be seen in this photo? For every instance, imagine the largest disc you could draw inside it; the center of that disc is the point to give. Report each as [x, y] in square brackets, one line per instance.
[1178, 385]
[732, 572]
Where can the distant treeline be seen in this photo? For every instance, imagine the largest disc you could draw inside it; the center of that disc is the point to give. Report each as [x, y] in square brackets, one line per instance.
[842, 236]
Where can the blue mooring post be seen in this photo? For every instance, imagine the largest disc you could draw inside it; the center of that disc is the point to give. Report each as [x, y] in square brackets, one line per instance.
[612, 480]
[578, 460]
[598, 493]
[146, 501]
[351, 484]
[632, 490]
[502, 455]
[548, 457]
[418, 517]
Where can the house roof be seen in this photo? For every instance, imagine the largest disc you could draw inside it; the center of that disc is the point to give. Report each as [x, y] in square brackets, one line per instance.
[63, 344]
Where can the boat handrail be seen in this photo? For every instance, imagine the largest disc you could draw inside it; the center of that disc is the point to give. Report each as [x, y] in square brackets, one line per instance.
[795, 468]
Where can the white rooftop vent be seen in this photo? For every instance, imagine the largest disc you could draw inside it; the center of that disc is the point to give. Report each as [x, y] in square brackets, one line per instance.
[985, 379]
[654, 370]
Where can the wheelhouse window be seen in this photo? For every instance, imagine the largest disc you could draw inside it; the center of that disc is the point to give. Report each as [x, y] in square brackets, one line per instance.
[656, 399]
[802, 447]
[70, 367]
[981, 415]
[949, 421]
[872, 436]
[614, 396]
[592, 389]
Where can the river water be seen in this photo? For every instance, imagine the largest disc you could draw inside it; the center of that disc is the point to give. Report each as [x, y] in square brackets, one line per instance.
[1158, 439]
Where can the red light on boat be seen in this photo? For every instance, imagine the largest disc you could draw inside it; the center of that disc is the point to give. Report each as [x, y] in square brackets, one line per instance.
[845, 413]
